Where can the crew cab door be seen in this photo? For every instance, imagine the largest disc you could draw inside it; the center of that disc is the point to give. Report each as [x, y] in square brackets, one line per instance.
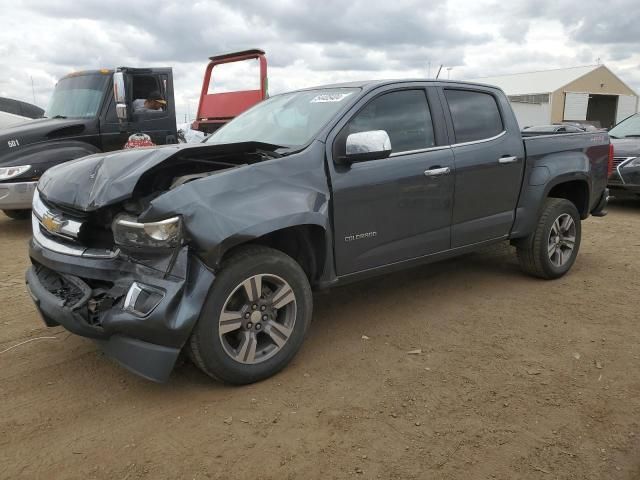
[489, 161]
[389, 210]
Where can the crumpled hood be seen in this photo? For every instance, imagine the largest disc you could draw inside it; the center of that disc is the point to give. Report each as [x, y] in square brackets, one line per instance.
[92, 182]
[626, 147]
[99, 180]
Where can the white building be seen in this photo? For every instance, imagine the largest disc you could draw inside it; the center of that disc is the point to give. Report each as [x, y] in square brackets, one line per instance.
[592, 94]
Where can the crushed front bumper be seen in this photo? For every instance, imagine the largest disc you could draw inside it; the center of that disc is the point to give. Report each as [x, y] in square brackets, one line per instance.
[17, 196]
[140, 316]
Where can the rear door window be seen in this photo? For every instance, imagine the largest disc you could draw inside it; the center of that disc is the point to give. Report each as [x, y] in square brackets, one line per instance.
[475, 115]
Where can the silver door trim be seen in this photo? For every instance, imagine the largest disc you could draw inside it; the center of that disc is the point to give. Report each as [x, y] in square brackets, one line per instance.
[420, 150]
[484, 140]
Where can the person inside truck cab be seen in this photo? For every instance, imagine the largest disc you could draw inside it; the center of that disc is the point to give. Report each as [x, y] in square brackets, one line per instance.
[153, 102]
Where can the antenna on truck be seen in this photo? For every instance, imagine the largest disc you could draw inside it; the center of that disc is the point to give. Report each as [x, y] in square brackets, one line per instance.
[439, 70]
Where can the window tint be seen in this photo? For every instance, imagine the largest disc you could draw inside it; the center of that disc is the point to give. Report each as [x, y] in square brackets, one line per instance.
[404, 115]
[475, 115]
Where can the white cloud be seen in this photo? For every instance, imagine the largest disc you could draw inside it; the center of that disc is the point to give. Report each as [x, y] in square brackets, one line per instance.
[308, 42]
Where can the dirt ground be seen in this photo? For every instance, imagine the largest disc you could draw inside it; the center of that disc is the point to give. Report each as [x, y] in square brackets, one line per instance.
[517, 378]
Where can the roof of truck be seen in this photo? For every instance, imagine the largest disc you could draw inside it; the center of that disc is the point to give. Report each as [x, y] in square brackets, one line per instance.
[377, 83]
[80, 73]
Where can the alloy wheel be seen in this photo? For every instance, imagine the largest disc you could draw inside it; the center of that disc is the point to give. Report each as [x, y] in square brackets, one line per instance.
[257, 318]
[562, 240]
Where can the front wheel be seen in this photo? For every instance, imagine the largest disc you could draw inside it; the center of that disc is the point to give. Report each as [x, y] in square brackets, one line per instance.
[255, 317]
[550, 251]
[17, 214]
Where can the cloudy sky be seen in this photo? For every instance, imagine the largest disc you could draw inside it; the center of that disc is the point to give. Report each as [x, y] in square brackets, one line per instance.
[311, 42]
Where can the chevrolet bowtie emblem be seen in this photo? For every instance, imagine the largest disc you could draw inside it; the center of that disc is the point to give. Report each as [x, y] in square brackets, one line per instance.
[52, 223]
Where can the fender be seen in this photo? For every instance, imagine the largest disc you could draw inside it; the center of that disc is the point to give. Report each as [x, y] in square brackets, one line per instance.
[42, 156]
[214, 256]
[234, 207]
[545, 173]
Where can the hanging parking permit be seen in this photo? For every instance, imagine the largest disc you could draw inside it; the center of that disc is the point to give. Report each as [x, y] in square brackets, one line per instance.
[330, 97]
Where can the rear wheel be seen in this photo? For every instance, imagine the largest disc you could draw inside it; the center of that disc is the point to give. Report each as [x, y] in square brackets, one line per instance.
[255, 318]
[550, 251]
[17, 214]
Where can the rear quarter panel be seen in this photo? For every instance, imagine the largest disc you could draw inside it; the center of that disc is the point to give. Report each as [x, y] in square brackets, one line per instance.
[556, 159]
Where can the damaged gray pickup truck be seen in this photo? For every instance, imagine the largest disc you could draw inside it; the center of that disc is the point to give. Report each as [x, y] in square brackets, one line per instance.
[214, 248]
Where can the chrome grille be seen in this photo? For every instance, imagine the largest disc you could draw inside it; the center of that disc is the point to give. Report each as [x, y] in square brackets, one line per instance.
[617, 161]
[58, 232]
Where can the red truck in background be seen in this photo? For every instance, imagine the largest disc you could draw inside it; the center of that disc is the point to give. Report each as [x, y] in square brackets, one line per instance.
[216, 109]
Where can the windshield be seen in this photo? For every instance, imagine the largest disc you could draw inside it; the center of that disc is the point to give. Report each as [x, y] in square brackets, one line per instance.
[289, 120]
[77, 97]
[627, 128]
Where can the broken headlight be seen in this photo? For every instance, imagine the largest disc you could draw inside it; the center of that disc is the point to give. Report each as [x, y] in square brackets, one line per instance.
[129, 233]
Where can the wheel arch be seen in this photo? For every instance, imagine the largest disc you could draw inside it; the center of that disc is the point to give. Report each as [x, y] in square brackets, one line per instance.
[575, 190]
[304, 242]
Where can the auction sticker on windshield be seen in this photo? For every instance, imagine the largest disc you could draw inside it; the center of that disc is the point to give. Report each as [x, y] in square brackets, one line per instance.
[330, 97]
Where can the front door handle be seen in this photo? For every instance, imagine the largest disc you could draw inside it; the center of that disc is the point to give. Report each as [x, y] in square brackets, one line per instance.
[505, 160]
[436, 172]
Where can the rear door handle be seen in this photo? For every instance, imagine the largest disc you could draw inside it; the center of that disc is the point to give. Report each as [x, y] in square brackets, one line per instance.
[436, 172]
[505, 160]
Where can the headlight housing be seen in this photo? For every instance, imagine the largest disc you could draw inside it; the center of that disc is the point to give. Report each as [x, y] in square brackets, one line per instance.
[633, 163]
[164, 233]
[9, 172]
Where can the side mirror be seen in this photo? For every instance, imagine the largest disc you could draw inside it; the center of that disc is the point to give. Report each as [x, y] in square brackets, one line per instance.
[119, 96]
[371, 145]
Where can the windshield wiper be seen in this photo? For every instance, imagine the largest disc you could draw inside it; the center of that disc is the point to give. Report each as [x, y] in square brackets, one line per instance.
[635, 135]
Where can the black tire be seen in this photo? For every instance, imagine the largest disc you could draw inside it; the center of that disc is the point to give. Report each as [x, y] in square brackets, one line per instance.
[206, 346]
[17, 214]
[533, 251]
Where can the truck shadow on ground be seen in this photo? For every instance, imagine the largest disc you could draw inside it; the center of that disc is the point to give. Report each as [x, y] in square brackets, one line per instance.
[625, 203]
[345, 308]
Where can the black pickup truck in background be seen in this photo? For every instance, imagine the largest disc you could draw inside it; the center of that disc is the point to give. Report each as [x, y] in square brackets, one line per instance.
[215, 248]
[84, 118]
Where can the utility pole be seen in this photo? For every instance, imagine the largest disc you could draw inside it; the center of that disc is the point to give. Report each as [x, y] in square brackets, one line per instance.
[33, 90]
[449, 72]
[429, 69]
